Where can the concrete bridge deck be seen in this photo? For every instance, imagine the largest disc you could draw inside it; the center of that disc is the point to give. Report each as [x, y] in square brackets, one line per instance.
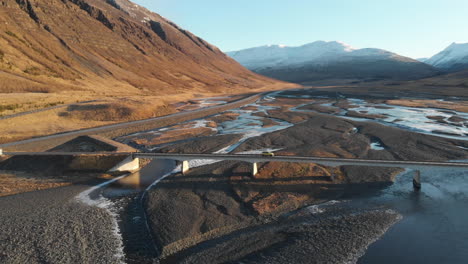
[259, 158]
[298, 159]
[132, 161]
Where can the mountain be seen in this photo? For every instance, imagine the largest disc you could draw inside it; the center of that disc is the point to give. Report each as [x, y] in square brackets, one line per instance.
[108, 47]
[453, 58]
[326, 60]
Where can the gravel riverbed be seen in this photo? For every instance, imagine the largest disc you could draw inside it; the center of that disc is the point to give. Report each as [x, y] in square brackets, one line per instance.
[51, 226]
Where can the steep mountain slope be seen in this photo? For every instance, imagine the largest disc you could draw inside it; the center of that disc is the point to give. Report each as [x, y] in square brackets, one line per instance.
[453, 58]
[324, 60]
[457, 79]
[108, 47]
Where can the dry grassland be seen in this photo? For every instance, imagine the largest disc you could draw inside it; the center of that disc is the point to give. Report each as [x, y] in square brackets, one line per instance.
[103, 110]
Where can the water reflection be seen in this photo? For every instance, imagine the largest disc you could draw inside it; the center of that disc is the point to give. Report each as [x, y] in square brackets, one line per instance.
[434, 228]
[139, 181]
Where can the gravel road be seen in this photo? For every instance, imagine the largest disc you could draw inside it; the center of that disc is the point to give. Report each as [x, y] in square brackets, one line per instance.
[120, 129]
[50, 226]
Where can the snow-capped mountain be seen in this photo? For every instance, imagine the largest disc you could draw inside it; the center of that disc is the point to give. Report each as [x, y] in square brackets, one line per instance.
[453, 58]
[279, 55]
[333, 59]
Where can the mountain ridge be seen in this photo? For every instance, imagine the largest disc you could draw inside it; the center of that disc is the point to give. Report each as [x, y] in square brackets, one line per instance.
[453, 58]
[115, 45]
[321, 60]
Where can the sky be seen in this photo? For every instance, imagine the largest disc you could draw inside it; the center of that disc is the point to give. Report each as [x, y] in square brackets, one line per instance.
[413, 28]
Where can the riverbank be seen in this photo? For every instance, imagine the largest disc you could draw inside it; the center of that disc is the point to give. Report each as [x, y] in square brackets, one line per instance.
[51, 226]
[192, 212]
[17, 182]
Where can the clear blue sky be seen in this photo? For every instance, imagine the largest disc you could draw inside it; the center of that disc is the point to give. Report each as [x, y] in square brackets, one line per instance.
[413, 28]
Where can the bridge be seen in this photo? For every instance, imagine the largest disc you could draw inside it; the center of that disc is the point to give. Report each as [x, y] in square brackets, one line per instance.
[132, 161]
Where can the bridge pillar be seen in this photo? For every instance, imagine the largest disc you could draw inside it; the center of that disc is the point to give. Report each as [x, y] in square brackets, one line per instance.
[417, 180]
[185, 167]
[128, 164]
[1, 152]
[254, 169]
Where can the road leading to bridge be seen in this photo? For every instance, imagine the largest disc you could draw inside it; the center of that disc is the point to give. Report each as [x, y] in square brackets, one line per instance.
[115, 130]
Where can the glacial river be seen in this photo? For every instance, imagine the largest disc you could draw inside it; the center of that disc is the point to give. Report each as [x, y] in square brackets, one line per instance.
[434, 228]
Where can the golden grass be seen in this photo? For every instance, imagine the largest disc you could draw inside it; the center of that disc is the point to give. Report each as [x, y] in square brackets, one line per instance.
[20, 182]
[461, 106]
[108, 109]
[116, 111]
[42, 123]
[33, 101]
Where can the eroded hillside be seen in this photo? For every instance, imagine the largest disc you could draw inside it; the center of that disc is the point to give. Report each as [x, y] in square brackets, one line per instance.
[108, 47]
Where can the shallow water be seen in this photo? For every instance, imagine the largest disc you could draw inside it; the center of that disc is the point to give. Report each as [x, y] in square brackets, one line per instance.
[139, 181]
[409, 118]
[247, 124]
[250, 125]
[434, 228]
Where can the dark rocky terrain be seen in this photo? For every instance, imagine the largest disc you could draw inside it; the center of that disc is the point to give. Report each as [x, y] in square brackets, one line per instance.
[323, 135]
[201, 144]
[191, 214]
[218, 214]
[50, 226]
[302, 237]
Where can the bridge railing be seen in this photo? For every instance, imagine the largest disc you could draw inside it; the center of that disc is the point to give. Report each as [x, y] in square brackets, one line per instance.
[417, 166]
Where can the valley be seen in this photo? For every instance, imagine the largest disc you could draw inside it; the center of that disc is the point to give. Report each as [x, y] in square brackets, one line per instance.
[126, 138]
[220, 201]
[280, 188]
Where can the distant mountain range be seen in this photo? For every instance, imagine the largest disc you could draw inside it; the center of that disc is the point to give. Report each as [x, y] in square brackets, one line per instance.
[330, 60]
[108, 47]
[453, 58]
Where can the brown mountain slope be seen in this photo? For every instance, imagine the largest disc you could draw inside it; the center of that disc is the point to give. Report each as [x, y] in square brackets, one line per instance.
[132, 63]
[108, 46]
